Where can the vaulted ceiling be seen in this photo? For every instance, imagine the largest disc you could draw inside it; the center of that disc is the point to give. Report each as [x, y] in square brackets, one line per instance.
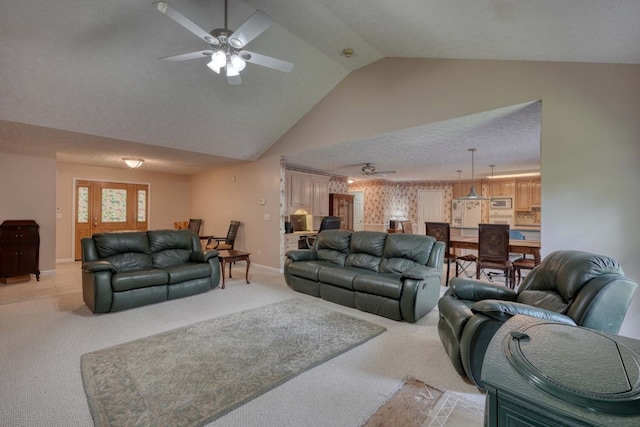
[81, 81]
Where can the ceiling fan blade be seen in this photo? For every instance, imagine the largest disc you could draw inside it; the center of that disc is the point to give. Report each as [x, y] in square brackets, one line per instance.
[384, 172]
[250, 29]
[185, 22]
[234, 80]
[191, 55]
[266, 61]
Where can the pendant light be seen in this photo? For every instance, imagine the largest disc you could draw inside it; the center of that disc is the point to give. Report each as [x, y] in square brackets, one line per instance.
[473, 195]
[491, 183]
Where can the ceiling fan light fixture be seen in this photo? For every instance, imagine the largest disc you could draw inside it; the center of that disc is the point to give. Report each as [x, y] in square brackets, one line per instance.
[231, 70]
[237, 62]
[218, 60]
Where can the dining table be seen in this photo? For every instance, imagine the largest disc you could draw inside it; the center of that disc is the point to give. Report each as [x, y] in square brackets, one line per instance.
[527, 247]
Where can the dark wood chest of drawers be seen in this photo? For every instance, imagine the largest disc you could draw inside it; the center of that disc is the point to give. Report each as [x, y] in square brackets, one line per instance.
[19, 248]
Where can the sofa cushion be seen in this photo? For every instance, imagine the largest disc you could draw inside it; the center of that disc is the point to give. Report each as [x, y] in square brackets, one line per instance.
[170, 247]
[387, 285]
[307, 269]
[333, 246]
[126, 251]
[403, 251]
[338, 276]
[137, 279]
[366, 250]
[189, 271]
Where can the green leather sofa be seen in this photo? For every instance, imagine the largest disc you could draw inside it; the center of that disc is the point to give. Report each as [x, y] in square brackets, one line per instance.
[570, 287]
[130, 269]
[391, 275]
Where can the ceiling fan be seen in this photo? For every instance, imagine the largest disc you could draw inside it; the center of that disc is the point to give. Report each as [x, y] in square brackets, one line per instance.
[368, 169]
[226, 49]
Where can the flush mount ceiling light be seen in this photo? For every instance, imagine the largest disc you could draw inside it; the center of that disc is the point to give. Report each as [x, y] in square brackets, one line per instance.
[133, 163]
[473, 195]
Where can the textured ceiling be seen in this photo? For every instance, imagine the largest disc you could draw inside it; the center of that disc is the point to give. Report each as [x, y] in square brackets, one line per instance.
[508, 138]
[83, 80]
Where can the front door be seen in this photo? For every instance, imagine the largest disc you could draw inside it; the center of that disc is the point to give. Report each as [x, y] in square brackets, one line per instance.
[108, 207]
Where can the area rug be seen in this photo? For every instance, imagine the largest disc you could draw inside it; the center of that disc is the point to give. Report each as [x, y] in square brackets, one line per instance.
[192, 375]
[417, 404]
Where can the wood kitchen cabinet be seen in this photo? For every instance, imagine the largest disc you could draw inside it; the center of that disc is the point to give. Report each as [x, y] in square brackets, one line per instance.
[502, 188]
[536, 192]
[527, 194]
[341, 205]
[19, 249]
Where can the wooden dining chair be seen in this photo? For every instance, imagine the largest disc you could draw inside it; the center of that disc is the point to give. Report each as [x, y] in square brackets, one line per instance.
[493, 252]
[441, 232]
[525, 263]
[195, 225]
[224, 243]
[407, 227]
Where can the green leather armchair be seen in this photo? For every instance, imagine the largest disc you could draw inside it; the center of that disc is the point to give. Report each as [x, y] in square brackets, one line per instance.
[572, 287]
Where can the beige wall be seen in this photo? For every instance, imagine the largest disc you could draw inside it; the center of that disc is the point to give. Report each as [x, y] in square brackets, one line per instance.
[590, 136]
[168, 201]
[28, 191]
[233, 193]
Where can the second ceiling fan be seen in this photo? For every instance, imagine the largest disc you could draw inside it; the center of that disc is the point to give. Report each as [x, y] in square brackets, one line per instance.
[368, 170]
[227, 53]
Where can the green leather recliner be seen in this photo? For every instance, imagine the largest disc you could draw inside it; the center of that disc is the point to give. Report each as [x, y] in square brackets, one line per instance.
[572, 287]
[130, 269]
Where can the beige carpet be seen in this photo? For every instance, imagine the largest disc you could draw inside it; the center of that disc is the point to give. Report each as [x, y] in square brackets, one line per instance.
[417, 404]
[192, 375]
[44, 338]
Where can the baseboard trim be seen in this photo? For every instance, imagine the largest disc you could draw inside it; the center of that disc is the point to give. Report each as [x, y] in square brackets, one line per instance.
[60, 261]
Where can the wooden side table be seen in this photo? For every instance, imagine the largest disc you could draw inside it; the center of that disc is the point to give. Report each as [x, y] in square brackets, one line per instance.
[227, 257]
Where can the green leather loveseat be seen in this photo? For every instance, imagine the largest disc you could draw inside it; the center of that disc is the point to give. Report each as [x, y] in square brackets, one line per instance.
[130, 269]
[391, 275]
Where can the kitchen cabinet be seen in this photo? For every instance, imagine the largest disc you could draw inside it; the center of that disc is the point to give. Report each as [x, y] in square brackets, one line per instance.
[308, 192]
[19, 249]
[291, 242]
[341, 205]
[502, 188]
[301, 192]
[321, 196]
[536, 193]
[527, 194]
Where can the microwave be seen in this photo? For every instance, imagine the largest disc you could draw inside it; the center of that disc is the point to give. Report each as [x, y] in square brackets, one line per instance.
[501, 203]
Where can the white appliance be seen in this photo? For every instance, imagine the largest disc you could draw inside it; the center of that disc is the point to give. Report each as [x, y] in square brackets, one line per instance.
[501, 203]
[501, 216]
[466, 213]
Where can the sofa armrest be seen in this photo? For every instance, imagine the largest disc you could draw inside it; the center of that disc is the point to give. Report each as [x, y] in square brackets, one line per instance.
[475, 290]
[504, 310]
[203, 256]
[420, 272]
[302, 255]
[94, 266]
